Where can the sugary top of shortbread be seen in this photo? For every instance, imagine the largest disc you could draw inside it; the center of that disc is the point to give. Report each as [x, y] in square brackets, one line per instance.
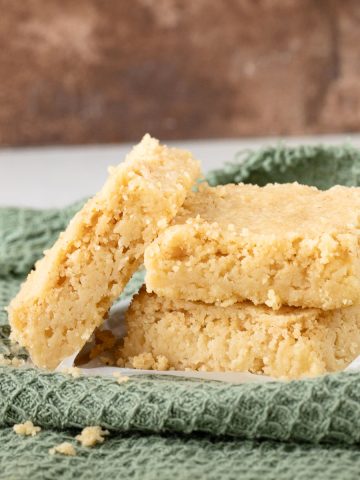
[275, 209]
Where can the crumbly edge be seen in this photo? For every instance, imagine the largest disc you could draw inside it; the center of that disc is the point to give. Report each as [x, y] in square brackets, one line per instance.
[198, 261]
[291, 343]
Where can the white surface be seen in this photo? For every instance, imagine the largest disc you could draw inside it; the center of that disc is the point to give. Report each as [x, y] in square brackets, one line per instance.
[56, 176]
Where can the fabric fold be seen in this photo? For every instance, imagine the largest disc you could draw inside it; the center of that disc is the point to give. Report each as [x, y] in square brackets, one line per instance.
[325, 410]
[159, 457]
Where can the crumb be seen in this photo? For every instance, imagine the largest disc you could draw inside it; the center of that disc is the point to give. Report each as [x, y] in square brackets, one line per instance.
[64, 448]
[26, 428]
[73, 371]
[120, 377]
[143, 361]
[11, 362]
[162, 363]
[4, 361]
[273, 300]
[17, 362]
[147, 361]
[90, 436]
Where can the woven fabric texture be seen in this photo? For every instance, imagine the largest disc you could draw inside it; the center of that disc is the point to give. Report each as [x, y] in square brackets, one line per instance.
[26, 233]
[310, 165]
[170, 427]
[158, 457]
[326, 410]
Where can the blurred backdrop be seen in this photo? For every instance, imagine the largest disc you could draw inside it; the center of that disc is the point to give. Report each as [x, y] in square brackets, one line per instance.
[93, 71]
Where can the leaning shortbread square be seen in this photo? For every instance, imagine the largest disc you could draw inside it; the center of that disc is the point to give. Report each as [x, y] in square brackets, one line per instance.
[71, 289]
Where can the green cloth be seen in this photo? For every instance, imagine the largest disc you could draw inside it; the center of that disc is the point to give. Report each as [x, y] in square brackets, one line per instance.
[166, 427]
[309, 165]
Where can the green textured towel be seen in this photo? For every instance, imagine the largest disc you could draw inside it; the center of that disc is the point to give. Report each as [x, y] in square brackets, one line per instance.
[176, 428]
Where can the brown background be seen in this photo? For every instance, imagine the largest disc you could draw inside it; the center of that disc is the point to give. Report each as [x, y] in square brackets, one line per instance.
[87, 71]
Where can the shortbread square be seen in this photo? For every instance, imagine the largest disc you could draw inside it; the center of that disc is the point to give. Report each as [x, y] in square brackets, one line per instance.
[286, 343]
[72, 288]
[277, 245]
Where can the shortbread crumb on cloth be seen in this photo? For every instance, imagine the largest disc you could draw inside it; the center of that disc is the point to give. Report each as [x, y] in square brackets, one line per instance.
[120, 378]
[65, 448]
[90, 436]
[26, 429]
[75, 372]
[11, 362]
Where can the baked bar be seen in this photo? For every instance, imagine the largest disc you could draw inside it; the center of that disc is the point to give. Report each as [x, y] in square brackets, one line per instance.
[276, 245]
[73, 286]
[287, 343]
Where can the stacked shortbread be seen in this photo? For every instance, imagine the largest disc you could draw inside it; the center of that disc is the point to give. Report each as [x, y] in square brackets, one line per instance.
[239, 278]
[248, 278]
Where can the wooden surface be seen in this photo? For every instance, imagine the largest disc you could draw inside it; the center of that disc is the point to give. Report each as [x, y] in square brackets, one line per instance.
[92, 71]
